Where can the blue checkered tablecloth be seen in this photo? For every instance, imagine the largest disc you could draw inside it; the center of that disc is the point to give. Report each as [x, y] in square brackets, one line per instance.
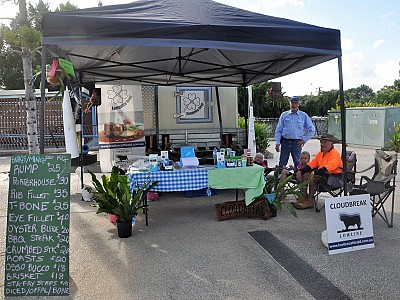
[170, 181]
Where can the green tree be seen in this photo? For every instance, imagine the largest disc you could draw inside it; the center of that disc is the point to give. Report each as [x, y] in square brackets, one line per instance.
[67, 6]
[241, 103]
[363, 93]
[25, 40]
[318, 105]
[11, 69]
[264, 105]
[260, 96]
[275, 104]
[35, 14]
[389, 95]
[11, 75]
[23, 37]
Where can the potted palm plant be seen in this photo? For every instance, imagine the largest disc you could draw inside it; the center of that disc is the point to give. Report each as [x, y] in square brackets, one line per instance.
[276, 190]
[113, 196]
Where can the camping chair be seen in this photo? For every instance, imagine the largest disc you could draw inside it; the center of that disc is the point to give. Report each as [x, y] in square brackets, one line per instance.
[334, 184]
[381, 186]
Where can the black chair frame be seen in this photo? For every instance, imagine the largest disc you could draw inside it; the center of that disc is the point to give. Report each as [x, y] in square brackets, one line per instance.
[334, 183]
[379, 189]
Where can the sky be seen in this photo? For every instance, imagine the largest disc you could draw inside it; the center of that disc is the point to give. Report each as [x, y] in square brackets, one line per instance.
[369, 29]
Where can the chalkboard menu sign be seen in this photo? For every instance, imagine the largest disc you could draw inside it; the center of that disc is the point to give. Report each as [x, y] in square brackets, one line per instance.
[37, 250]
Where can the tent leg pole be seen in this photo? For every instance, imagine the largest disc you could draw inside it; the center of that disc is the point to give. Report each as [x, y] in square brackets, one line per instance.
[157, 119]
[42, 100]
[343, 123]
[246, 114]
[246, 108]
[81, 158]
[219, 115]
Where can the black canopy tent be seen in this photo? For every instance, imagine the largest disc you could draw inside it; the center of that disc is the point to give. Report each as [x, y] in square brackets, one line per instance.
[184, 42]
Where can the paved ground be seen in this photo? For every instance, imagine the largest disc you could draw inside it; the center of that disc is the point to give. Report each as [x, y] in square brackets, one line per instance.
[185, 253]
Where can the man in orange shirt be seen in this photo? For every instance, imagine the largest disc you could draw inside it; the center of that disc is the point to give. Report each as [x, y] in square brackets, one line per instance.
[327, 161]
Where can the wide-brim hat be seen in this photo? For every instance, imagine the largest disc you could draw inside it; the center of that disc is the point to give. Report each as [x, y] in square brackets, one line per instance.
[329, 137]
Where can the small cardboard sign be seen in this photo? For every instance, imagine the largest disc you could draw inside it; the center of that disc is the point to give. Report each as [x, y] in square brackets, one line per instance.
[153, 161]
[349, 223]
[67, 66]
[221, 159]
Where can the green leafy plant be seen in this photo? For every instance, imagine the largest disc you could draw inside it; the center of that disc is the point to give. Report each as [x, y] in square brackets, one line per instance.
[241, 122]
[394, 141]
[280, 189]
[113, 195]
[262, 132]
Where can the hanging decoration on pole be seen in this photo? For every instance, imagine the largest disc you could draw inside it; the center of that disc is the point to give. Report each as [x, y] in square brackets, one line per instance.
[71, 142]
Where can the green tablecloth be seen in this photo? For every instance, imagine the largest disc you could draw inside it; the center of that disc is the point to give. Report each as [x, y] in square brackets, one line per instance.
[251, 179]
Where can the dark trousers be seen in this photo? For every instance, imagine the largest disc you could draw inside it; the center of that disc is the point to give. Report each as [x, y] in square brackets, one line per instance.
[289, 147]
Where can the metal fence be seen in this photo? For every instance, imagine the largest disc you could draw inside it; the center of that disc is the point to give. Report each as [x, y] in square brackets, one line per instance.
[320, 124]
[13, 133]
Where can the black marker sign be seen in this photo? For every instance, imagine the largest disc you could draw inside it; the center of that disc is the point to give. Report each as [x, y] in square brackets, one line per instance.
[37, 251]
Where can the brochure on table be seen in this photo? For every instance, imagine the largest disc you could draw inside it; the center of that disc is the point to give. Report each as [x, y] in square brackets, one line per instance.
[189, 162]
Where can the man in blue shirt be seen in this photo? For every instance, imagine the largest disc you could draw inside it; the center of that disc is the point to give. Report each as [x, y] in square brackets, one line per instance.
[294, 129]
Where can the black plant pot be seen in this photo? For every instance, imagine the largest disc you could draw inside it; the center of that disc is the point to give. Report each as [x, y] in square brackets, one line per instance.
[272, 209]
[124, 229]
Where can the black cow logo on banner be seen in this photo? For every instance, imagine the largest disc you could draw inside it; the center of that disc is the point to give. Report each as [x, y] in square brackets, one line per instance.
[350, 220]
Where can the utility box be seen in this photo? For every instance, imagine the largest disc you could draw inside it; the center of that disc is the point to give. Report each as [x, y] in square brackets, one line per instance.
[334, 123]
[371, 126]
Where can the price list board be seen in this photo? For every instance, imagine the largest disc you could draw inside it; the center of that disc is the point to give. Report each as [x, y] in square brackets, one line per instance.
[37, 249]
